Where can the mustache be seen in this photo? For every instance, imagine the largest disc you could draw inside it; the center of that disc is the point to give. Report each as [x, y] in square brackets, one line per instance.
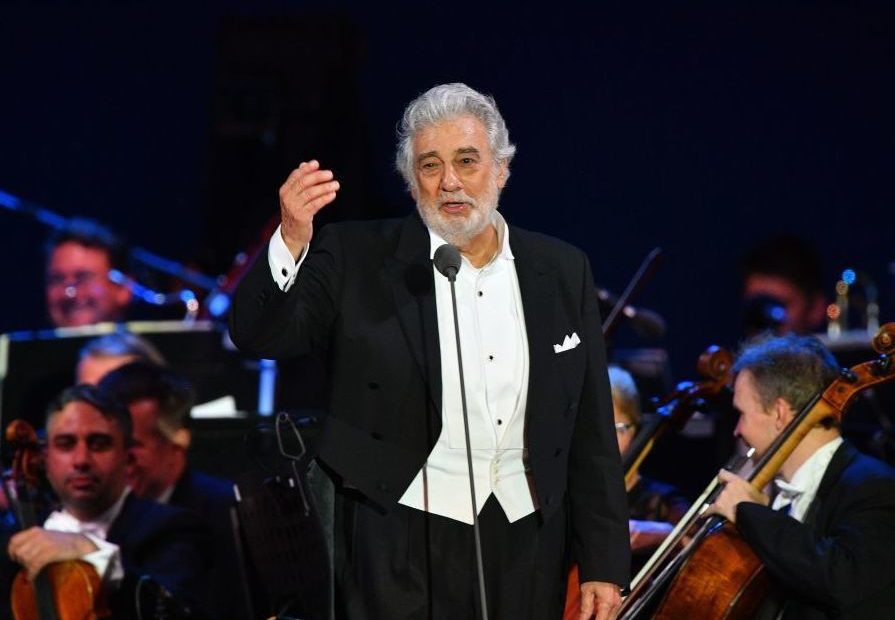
[457, 196]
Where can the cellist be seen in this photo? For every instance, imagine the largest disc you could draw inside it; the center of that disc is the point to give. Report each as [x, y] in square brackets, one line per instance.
[827, 536]
[99, 521]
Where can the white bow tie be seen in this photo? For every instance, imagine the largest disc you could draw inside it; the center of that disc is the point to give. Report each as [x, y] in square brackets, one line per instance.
[787, 491]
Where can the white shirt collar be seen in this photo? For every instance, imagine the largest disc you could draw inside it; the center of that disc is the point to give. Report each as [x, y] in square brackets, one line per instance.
[64, 521]
[802, 488]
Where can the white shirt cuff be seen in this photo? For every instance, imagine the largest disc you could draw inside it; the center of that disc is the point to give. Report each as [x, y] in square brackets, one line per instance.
[283, 267]
[106, 560]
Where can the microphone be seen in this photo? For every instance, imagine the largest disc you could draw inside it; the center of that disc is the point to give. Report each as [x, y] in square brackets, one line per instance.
[447, 261]
[646, 323]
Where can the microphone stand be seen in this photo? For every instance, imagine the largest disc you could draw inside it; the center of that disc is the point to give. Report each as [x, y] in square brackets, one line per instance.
[450, 272]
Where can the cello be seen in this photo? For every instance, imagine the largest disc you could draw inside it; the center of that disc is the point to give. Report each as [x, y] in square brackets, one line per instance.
[716, 574]
[69, 590]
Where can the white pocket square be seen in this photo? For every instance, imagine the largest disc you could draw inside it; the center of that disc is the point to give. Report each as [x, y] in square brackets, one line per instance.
[568, 343]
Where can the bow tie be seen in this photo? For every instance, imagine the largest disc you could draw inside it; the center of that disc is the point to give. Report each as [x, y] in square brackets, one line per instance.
[787, 492]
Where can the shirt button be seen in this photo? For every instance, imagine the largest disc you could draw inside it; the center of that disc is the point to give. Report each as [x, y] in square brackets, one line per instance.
[480, 293]
[491, 357]
[284, 271]
[499, 422]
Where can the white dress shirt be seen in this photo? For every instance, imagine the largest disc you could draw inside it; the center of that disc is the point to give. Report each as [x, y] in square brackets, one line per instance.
[801, 490]
[107, 557]
[495, 362]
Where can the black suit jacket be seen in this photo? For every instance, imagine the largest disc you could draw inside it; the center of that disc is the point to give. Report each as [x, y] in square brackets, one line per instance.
[365, 294]
[212, 498]
[167, 544]
[839, 563]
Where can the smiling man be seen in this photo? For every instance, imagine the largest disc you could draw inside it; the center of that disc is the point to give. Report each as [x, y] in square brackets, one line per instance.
[78, 289]
[547, 471]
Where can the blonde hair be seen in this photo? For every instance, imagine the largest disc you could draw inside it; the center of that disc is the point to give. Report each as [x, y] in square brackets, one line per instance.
[625, 397]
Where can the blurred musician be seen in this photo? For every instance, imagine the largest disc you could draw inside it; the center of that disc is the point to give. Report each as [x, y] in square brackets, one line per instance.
[828, 534]
[159, 402]
[99, 521]
[654, 506]
[106, 353]
[78, 290]
[783, 287]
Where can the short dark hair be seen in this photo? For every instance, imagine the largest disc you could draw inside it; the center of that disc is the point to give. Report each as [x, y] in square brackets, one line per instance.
[109, 407]
[138, 380]
[789, 257]
[791, 367]
[91, 234]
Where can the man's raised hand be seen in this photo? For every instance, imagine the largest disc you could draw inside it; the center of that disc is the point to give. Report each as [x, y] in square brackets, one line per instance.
[306, 190]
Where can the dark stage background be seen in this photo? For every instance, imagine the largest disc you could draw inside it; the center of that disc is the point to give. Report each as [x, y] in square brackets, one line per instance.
[697, 128]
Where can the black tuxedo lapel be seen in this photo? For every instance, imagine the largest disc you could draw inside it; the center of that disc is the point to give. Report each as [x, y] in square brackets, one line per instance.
[409, 276]
[842, 457]
[538, 290]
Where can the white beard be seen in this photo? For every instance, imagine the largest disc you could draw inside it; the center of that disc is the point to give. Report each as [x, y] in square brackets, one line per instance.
[459, 230]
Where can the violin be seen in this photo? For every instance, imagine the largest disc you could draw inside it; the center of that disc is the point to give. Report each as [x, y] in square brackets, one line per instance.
[69, 590]
[674, 410]
[716, 574]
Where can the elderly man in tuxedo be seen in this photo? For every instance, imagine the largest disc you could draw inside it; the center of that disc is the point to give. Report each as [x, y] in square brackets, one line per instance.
[548, 480]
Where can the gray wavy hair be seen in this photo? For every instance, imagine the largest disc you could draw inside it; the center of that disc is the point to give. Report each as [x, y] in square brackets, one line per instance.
[447, 101]
[791, 367]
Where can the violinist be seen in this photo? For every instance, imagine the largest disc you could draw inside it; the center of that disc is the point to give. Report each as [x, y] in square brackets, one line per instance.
[826, 533]
[99, 521]
[654, 506]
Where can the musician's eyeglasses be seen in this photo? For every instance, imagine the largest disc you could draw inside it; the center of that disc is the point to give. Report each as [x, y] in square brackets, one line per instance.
[77, 279]
[623, 427]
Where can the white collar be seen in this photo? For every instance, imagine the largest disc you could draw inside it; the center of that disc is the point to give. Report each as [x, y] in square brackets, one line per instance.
[809, 474]
[65, 521]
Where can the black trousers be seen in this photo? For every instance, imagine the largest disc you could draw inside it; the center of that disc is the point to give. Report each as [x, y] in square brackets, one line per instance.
[415, 565]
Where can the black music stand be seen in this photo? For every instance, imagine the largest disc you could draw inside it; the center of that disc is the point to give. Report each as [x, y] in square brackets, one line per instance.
[36, 366]
[288, 556]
